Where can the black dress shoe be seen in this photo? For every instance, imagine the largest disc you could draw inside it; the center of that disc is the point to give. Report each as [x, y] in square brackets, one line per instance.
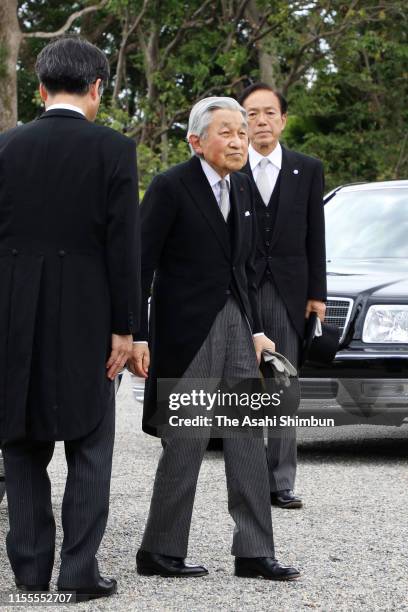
[152, 564]
[285, 499]
[103, 588]
[268, 567]
[32, 588]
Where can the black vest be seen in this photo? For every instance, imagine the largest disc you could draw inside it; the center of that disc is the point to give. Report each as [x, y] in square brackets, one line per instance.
[266, 218]
[231, 221]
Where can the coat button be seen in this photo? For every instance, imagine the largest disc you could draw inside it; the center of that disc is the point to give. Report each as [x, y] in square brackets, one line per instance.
[14, 252]
[233, 268]
[267, 243]
[61, 253]
[227, 292]
[267, 215]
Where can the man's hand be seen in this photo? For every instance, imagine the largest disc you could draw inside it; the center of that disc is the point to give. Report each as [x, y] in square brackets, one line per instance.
[121, 351]
[139, 361]
[316, 306]
[261, 343]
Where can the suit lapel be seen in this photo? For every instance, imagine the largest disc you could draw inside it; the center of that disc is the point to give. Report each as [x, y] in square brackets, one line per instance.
[289, 180]
[258, 199]
[237, 211]
[248, 171]
[203, 196]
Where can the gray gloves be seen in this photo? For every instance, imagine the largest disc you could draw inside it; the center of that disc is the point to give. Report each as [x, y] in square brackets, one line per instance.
[283, 369]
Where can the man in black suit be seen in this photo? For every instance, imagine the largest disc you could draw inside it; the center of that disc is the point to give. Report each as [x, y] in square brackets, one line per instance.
[69, 302]
[290, 253]
[198, 233]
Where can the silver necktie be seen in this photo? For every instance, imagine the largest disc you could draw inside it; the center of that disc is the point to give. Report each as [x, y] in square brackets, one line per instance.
[224, 199]
[263, 182]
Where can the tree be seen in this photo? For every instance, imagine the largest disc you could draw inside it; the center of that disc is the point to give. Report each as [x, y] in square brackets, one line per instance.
[342, 66]
[354, 114]
[11, 38]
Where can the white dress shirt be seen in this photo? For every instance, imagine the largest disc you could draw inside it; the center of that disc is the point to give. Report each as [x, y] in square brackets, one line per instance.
[272, 169]
[70, 107]
[214, 179]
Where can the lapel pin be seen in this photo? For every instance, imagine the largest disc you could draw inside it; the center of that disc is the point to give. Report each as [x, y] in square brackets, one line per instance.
[296, 171]
[247, 213]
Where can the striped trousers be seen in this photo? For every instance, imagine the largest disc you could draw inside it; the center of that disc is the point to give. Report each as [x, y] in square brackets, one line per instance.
[228, 352]
[85, 506]
[282, 449]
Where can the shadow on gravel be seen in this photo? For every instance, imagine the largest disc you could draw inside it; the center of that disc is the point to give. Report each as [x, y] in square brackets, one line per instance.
[368, 450]
[347, 443]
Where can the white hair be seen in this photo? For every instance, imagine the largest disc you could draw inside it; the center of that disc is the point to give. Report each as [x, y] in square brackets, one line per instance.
[201, 114]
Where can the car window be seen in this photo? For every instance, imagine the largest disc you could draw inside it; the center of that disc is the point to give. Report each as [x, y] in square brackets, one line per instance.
[367, 224]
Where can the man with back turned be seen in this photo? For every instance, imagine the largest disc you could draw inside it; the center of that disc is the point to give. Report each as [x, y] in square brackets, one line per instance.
[69, 302]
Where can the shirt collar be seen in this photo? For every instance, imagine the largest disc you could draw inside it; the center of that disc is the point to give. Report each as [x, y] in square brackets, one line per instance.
[212, 176]
[70, 107]
[275, 157]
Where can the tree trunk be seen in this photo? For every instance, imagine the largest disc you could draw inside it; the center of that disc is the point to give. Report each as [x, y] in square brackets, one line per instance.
[151, 58]
[120, 63]
[266, 61]
[164, 138]
[10, 40]
[266, 66]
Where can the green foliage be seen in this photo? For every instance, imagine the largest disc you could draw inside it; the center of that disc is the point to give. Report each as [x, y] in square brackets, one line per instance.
[355, 116]
[344, 73]
[150, 163]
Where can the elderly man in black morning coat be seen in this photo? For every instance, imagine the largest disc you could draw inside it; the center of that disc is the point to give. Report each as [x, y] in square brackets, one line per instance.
[69, 302]
[198, 233]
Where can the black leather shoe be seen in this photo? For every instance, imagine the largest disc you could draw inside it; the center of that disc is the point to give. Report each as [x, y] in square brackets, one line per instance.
[103, 588]
[268, 567]
[152, 564]
[285, 499]
[32, 588]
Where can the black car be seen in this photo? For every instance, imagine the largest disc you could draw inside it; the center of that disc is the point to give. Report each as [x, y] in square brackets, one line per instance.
[367, 273]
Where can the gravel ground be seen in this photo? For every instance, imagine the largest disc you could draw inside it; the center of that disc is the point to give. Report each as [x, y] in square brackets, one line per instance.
[349, 541]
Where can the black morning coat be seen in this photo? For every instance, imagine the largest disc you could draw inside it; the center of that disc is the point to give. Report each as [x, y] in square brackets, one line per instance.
[195, 259]
[295, 256]
[69, 271]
